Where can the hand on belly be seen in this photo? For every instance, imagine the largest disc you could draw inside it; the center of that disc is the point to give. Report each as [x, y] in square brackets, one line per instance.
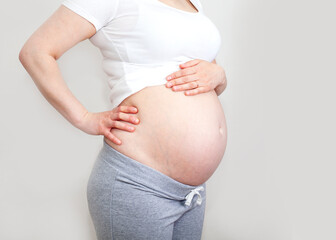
[182, 136]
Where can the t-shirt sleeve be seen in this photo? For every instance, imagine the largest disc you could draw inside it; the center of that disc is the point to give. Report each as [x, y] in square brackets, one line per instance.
[98, 12]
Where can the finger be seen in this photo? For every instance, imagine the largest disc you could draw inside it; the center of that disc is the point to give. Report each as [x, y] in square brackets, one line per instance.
[182, 80]
[186, 86]
[123, 126]
[180, 73]
[127, 109]
[190, 63]
[194, 91]
[108, 123]
[111, 137]
[125, 117]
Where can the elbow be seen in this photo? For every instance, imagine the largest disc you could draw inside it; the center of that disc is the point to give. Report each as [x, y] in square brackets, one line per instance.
[33, 49]
[23, 55]
[25, 52]
[29, 55]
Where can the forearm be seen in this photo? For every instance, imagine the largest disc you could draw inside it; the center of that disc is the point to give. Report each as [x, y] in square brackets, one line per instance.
[46, 75]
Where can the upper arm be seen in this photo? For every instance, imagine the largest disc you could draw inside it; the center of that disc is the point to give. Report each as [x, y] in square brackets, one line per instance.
[60, 32]
[73, 22]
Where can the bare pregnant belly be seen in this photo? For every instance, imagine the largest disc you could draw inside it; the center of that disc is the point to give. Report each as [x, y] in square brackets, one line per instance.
[184, 137]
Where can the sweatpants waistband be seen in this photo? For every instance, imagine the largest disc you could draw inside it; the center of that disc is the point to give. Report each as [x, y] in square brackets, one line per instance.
[137, 173]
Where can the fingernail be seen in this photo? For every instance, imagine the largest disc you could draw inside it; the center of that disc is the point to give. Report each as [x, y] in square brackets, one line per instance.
[169, 77]
[169, 84]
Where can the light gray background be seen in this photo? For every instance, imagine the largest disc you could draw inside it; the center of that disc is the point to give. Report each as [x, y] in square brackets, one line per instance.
[276, 180]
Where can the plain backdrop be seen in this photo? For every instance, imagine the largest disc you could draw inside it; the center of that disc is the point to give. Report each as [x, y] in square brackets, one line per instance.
[276, 180]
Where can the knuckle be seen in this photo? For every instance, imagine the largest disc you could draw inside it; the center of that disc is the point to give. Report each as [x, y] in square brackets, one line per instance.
[114, 124]
[114, 138]
[191, 70]
[120, 114]
[107, 133]
[131, 118]
[118, 124]
[188, 93]
[110, 123]
[110, 134]
[187, 78]
[122, 109]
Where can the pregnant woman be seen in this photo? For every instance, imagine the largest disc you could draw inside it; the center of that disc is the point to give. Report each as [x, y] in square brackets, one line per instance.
[165, 133]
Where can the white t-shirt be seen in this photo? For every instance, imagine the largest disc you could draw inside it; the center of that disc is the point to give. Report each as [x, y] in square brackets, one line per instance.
[143, 41]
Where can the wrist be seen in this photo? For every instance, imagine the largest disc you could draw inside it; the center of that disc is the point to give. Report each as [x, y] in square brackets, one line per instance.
[81, 119]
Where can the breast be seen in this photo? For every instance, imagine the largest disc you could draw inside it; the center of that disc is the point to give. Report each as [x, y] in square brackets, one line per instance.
[181, 136]
[168, 36]
[144, 32]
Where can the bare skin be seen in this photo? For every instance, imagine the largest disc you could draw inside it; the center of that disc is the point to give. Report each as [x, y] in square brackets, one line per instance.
[185, 138]
[165, 137]
[182, 5]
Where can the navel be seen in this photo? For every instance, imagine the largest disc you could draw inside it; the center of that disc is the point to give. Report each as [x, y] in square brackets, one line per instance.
[221, 130]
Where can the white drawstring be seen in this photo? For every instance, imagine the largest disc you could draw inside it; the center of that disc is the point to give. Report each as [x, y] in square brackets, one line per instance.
[190, 196]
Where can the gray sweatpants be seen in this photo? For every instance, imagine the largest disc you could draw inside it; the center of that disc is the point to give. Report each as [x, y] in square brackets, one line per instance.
[129, 200]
